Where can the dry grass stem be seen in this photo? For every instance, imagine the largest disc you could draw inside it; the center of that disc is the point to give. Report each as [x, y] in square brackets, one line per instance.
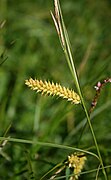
[57, 21]
[49, 88]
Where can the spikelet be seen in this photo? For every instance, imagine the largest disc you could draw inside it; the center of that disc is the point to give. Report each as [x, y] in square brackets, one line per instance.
[77, 162]
[53, 89]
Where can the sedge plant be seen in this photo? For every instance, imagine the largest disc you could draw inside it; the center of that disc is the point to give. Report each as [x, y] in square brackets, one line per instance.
[49, 88]
[71, 166]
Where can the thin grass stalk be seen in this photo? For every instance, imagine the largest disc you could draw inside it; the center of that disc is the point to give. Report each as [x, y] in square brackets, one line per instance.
[59, 146]
[30, 169]
[68, 50]
[63, 44]
[58, 165]
[69, 58]
[97, 172]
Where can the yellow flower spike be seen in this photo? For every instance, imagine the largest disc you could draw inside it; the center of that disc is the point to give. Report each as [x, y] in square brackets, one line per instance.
[77, 162]
[49, 88]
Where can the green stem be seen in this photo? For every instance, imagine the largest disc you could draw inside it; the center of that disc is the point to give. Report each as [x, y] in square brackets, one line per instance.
[74, 73]
[69, 58]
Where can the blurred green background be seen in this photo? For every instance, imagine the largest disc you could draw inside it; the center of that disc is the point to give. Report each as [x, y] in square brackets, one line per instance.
[28, 38]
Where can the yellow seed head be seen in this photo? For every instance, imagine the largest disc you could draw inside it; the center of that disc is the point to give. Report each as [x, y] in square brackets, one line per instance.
[53, 89]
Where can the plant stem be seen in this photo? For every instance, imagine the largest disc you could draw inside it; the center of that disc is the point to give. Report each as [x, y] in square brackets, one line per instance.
[68, 53]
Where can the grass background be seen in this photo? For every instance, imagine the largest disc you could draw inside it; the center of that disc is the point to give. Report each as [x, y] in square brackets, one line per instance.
[32, 46]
